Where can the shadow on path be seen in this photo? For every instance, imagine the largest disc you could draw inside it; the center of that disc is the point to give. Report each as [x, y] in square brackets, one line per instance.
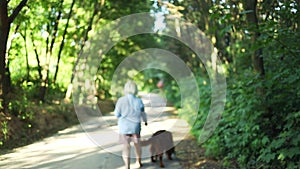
[75, 148]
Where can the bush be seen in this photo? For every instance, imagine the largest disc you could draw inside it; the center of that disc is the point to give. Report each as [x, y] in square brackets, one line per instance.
[259, 126]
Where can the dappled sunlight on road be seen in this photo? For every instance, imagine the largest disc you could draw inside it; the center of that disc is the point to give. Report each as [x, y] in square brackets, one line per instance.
[97, 147]
[68, 144]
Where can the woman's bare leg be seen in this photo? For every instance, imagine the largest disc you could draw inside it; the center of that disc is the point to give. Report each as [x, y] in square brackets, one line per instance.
[126, 154]
[138, 153]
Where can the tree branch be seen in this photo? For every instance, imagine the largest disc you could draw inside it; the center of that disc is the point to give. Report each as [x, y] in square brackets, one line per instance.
[17, 11]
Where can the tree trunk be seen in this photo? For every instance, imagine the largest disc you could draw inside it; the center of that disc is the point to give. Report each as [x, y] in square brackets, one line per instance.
[8, 48]
[39, 67]
[5, 22]
[4, 79]
[298, 10]
[257, 60]
[24, 36]
[49, 51]
[63, 42]
[89, 28]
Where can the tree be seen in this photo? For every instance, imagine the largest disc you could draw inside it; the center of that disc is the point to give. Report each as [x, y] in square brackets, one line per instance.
[52, 27]
[253, 24]
[63, 41]
[260, 42]
[5, 21]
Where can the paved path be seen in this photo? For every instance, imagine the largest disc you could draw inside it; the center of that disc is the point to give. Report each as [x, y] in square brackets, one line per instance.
[98, 147]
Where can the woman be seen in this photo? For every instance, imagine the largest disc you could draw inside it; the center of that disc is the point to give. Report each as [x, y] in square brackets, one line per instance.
[130, 111]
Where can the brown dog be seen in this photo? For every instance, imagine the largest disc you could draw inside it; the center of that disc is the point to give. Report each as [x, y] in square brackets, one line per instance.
[161, 142]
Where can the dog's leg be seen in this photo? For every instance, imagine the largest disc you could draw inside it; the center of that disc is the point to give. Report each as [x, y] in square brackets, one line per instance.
[153, 156]
[161, 160]
[169, 153]
[152, 159]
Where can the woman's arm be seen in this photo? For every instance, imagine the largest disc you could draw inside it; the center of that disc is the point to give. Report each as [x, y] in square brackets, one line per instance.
[143, 113]
[117, 110]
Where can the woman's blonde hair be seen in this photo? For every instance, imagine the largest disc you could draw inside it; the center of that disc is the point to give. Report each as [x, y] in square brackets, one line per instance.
[130, 88]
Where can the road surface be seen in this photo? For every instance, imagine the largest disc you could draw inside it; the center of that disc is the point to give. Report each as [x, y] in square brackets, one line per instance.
[94, 145]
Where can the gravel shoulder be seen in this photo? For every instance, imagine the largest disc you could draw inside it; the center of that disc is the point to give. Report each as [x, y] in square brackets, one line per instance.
[191, 155]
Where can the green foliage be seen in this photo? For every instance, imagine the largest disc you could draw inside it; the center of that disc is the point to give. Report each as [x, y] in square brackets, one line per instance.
[260, 124]
[254, 131]
[239, 128]
[4, 131]
[205, 100]
[35, 39]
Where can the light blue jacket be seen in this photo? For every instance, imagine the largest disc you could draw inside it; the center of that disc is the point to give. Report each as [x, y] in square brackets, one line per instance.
[130, 111]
